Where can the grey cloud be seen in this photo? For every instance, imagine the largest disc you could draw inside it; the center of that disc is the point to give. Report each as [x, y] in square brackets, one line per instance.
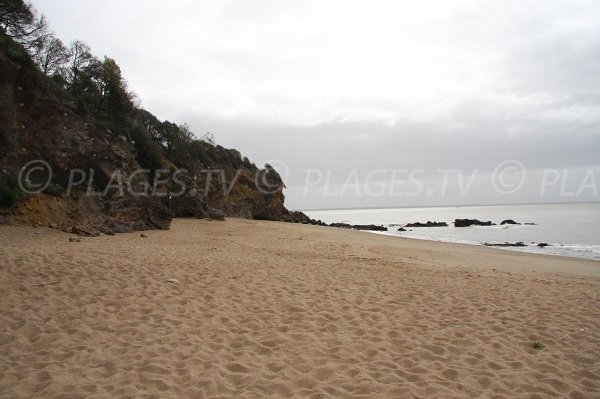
[518, 80]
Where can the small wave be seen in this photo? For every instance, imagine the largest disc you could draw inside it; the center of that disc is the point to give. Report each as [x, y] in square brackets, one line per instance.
[557, 249]
[595, 249]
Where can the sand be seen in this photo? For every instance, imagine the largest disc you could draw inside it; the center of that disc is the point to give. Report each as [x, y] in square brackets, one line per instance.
[253, 309]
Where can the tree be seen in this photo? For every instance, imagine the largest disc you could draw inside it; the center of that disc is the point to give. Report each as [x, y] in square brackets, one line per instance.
[209, 138]
[151, 124]
[169, 134]
[20, 21]
[99, 86]
[83, 74]
[115, 100]
[80, 59]
[52, 56]
[186, 136]
[15, 15]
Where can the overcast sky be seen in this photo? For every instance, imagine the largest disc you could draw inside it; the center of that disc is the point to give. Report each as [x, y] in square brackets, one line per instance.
[366, 93]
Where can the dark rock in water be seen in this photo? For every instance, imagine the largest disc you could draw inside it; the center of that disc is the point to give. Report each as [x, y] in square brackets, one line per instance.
[370, 227]
[428, 224]
[506, 244]
[530, 224]
[401, 229]
[543, 244]
[508, 221]
[471, 222]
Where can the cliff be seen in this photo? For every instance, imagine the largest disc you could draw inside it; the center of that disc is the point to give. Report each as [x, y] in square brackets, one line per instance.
[102, 159]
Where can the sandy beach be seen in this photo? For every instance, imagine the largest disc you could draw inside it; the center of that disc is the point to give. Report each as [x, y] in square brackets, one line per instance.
[252, 309]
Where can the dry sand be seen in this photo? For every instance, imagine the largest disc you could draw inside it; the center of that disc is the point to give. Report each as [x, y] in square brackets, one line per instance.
[271, 309]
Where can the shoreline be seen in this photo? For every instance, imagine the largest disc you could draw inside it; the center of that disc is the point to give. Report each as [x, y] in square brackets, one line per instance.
[589, 267]
[568, 229]
[247, 308]
[478, 244]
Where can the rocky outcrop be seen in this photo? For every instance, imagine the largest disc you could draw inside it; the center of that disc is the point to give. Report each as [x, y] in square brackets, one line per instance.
[471, 222]
[505, 244]
[38, 124]
[369, 227]
[300, 217]
[508, 221]
[40, 121]
[246, 192]
[215, 214]
[341, 225]
[428, 224]
[296, 217]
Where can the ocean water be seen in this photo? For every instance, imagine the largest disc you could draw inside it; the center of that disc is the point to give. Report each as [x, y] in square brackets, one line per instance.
[570, 229]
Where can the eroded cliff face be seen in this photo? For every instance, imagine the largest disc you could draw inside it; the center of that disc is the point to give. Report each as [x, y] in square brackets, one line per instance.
[39, 121]
[244, 193]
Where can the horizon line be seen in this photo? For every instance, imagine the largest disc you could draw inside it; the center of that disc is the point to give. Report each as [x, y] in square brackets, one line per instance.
[446, 206]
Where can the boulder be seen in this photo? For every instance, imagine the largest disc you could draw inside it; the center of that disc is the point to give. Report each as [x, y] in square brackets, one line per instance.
[370, 227]
[428, 224]
[216, 214]
[401, 229]
[471, 222]
[296, 217]
[508, 221]
[341, 225]
[506, 244]
[543, 244]
[300, 217]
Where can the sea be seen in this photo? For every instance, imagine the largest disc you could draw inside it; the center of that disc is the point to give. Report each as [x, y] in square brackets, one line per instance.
[569, 229]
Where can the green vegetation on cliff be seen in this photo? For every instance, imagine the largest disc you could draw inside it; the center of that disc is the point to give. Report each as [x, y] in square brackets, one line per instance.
[42, 79]
[100, 92]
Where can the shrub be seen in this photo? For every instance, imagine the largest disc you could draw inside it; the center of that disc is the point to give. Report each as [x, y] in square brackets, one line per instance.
[10, 193]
